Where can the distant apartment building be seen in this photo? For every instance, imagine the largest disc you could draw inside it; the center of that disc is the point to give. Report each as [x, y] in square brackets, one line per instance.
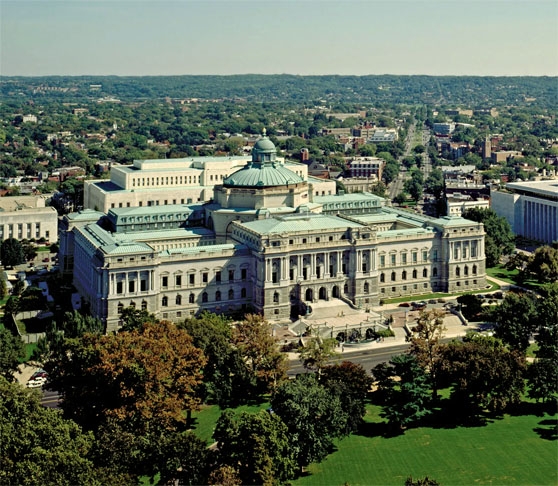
[383, 135]
[531, 208]
[503, 156]
[367, 167]
[444, 129]
[458, 203]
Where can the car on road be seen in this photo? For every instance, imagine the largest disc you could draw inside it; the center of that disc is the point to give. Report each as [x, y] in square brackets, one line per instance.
[419, 305]
[37, 382]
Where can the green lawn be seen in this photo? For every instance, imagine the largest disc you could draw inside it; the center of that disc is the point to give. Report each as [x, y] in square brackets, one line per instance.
[506, 451]
[438, 295]
[511, 276]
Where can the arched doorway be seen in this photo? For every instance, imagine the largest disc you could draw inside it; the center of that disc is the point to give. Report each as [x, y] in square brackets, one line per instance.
[335, 292]
[322, 293]
[309, 295]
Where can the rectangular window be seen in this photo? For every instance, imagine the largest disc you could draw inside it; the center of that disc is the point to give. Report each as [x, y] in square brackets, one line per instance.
[143, 285]
[435, 255]
[231, 275]
[424, 255]
[119, 288]
[392, 259]
[465, 251]
[415, 256]
[165, 281]
[291, 274]
[404, 258]
[192, 279]
[474, 249]
[131, 286]
[243, 274]
[204, 277]
[382, 261]
[218, 277]
[178, 281]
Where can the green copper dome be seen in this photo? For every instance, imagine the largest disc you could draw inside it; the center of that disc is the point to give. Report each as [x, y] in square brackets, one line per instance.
[264, 170]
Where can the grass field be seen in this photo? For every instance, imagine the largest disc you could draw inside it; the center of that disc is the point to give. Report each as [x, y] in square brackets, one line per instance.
[505, 451]
[511, 276]
[516, 449]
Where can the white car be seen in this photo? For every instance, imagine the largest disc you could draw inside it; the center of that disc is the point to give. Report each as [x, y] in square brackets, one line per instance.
[36, 382]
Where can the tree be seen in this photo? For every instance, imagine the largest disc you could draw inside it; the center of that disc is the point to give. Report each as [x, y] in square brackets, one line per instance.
[485, 374]
[40, 447]
[407, 399]
[11, 252]
[29, 250]
[76, 324]
[226, 378]
[12, 351]
[350, 383]
[414, 187]
[499, 239]
[133, 318]
[400, 198]
[313, 417]
[143, 379]
[3, 288]
[257, 346]
[516, 319]
[543, 264]
[316, 353]
[472, 303]
[543, 373]
[426, 346]
[258, 446]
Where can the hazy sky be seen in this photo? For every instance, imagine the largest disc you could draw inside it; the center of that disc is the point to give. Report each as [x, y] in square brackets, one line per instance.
[149, 37]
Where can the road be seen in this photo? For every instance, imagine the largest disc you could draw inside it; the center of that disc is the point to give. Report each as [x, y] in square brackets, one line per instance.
[368, 358]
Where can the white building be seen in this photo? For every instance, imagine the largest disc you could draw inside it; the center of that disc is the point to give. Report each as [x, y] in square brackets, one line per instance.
[271, 245]
[27, 217]
[531, 208]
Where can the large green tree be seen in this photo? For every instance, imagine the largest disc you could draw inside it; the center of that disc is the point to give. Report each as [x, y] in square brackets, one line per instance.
[499, 239]
[11, 252]
[12, 351]
[484, 374]
[258, 446]
[313, 417]
[516, 319]
[38, 446]
[406, 391]
[543, 265]
[227, 380]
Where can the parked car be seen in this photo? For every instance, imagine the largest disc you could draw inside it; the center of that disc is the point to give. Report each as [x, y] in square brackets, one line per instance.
[432, 301]
[37, 382]
[419, 305]
[404, 304]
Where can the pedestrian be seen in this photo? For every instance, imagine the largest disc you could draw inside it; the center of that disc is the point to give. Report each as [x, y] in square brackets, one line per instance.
[342, 348]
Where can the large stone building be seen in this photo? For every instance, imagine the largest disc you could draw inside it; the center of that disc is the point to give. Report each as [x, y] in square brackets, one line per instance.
[269, 242]
[531, 208]
[27, 217]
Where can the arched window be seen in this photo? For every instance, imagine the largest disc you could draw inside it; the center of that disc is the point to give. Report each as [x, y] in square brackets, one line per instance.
[133, 304]
[474, 269]
[243, 292]
[382, 277]
[393, 276]
[425, 272]
[204, 297]
[218, 295]
[231, 294]
[165, 301]
[178, 299]
[434, 272]
[143, 305]
[366, 287]
[191, 298]
[457, 271]
[414, 273]
[276, 297]
[466, 270]
[120, 307]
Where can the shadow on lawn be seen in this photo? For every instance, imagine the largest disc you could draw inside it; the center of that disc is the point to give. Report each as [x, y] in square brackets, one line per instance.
[549, 431]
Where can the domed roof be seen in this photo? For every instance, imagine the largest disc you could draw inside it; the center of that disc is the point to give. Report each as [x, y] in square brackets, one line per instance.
[264, 144]
[264, 170]
[264, 175]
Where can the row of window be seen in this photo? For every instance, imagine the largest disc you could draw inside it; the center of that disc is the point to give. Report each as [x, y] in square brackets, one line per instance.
[165, 202]
[172, 180]
[204, 297]
[404, 258]
[20, 231]
[404, 274]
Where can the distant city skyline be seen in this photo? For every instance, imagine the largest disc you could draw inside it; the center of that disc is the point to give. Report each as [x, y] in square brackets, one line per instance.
[305, 37]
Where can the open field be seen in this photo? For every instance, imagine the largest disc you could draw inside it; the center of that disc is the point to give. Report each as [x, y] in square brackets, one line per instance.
[516, 449]
[511, 276]
[506, 451]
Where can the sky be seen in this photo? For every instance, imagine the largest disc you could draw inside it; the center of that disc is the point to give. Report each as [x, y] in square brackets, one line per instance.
[305, 37]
